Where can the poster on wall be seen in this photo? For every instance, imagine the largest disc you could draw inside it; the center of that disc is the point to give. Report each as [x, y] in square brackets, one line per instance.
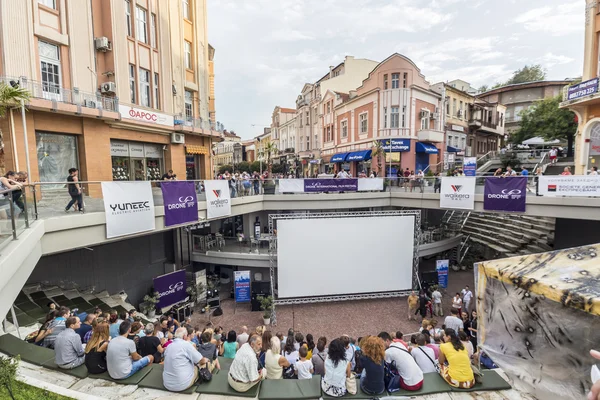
[129, 208]
[201, 279]
[505, 194]
[171, 288]
[457, 192]
[181, 205]
[56, 154]
[571, 185]
[242, 286]
[441, 267]
[218, 199]
[470, 166]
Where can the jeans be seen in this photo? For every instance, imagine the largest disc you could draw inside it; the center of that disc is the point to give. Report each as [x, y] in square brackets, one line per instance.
[17, 199]
[256, 188]
[75, 198]
[138, 365]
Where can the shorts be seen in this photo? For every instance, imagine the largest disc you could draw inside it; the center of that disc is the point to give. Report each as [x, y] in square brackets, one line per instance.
[138, 365]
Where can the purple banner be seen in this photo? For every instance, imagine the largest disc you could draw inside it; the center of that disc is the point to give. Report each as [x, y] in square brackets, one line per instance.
[180, 201]
[171, 288]
[330, 185]
[505, 194]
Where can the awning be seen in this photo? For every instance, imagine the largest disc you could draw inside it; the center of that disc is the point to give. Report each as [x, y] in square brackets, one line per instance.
[428, 148]
[359, 155]
[191, 149]
[340, 157]
[451, 149]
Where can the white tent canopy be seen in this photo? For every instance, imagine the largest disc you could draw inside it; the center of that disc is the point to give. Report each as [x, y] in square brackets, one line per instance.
[539, 141]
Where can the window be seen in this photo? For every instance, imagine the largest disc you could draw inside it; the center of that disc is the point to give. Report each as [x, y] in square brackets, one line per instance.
[395, 117]
[50, 68]
[448, 107]
[454, 107]
[501, 119]
[405, 79]
[328, 107]
[404, 116]
[463, 142]
[189, 105]
[307, 119]
[344, 129]
[156, 92]
[385, 117]
[128, 16]
[395, 81]
[425, 123]
[144, 87]
[316, 141]
[132, 83]
[307, 142]
[140, 22]
[48, 3]
[187, 51]
[186, 9]
[153, 30]
[385, 82]
[364, 122]
[461, 109]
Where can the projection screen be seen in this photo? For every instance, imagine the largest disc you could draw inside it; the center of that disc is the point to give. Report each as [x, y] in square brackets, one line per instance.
[353, 255]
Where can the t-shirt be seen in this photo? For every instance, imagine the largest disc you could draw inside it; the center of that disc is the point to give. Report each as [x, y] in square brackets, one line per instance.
[456, 303]
[425, 358]
[118, 357]
[412, 301]
[459, 364]
[525, 172]
[318, 360]
[179, 366]
[148, 345]
[373, 383]
[407, 367]
[437, 297]
[166, 176]
[453, 322]
[113, 330]
[468, 296]
[229, 349]
[303, 368]
[291, 357]
[208, 350]
[85, 328]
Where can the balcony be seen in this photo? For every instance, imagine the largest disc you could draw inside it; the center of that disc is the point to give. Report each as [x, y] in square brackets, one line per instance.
[430, 135]
[488, 126]
[186, 124]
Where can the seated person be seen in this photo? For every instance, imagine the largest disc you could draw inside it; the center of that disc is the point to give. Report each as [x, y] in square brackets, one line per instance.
[411, 376]
[122, 357]
[136, 328]
[244, 372]
[45, 330]
[337, 369]
[318, 358]
[400, 339]
[231, 345]
[290, 352]
[68, 349]
[373, 355]
[274, 361]
[86, 326]
[95, 351]
[209, 351]
[423, 355]
[430, 343]
[181, 359]
[304, 367]
[458, 372]
[56, 327]
[150, 344]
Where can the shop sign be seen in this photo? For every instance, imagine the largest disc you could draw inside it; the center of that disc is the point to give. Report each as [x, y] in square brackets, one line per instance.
[136, 150]
[457, 128]
[129, 208]
[119, 149]
[138, 114]
[583, 89]
[395, 145]
[153, 151]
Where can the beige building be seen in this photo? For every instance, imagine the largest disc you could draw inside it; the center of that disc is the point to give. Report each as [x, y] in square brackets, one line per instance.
[227, 152]
[120, 88]
[281, 117]
[455, 116]
[212, 111]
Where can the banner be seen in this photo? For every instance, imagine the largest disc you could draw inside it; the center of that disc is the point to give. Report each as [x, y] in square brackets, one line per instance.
[129, 208]
[441, 267]
[330, 185]
[218, 199]
[242, 286]
[299, 185]
[291, 186]
[505, 194]
[171, 288]
[365, 184]
[458, 192]
[470, 166]
[181, 204]
[570, 185]
[582, 89]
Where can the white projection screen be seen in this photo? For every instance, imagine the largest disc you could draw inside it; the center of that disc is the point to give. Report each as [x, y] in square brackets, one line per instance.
[344, 255]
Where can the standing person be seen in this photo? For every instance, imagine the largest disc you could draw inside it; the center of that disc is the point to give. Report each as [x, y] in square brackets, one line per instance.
[9, 181]
[510, 171]
[437, 185]
[467, 296]
[122, 358]
[95, 351]
[538, 173]
[304, 367]
[68, 350]
[413, 301]
[337, 369]
[74, 190]
[412, 179]
[423, 302]
[566, 171]
[244, 372]
[594, 171]
[552, 154]
[458, 372]
[181, 359]
[242, 338]
[169, 176]
[406, 175]
[437, 302]
[421, 180]
[473, 328]
[372, 358]
[457, 303]
[498, 172]
[452, 321]
[319, 356]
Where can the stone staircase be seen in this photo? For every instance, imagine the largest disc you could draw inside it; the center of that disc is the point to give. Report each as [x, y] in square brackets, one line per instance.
[511, 234]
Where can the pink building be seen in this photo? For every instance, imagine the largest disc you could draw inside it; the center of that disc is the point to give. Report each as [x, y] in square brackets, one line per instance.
[394, 105]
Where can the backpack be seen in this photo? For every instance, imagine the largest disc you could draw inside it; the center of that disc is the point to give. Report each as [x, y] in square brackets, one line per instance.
[358, 368]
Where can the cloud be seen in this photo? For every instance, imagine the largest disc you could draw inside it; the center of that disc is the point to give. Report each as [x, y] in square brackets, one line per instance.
[557, 20]
[549, 60]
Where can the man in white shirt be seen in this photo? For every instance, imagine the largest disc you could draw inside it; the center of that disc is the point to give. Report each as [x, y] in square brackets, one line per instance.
[411, 376]
[243, 337]
[453, 322]
[244, 372]
[342, 174]
[181, 358]
[424, 356]
[594, 171]
[467, 296]
[122, 358]
[437, 303]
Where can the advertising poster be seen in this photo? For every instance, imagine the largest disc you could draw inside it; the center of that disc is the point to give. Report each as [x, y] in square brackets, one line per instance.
[242, 286]
[470, 166]
[218, 199]
[505, 194]
[181, 205]
[570, 185]
[457, 192]
[129, 208]
[171, 288]
[442, 270]
[330, 185]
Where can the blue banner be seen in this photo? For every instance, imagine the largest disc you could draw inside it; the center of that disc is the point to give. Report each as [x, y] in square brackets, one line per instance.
[242, 286]
[470, 166]
[582, 89]
[395, 145]
[442, 270]
[171, 288]
[330, 185]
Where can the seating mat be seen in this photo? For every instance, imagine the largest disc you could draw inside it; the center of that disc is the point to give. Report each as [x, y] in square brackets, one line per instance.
[132, 380]
[78, 372]
[95, 301]
[225, 363]
[154, 380]
[219, 385]
[491, 381]
[291, 389]
[359, 394]
[38, 295]
[432, 383]
[28, 306]
[30, 353]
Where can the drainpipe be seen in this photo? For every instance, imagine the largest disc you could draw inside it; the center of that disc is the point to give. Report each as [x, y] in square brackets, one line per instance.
[14, 140]
[25, 138]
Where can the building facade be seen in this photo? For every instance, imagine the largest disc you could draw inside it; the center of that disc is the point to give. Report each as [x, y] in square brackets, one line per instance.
[119, 89]
[486, 128]
[227, 152]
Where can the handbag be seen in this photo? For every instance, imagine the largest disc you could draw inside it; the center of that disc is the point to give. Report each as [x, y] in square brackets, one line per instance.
[204, 375]
[288, 373]
[351, 384]
[435, 364]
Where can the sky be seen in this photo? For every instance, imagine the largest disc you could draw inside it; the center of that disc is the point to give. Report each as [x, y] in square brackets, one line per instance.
[266, 50]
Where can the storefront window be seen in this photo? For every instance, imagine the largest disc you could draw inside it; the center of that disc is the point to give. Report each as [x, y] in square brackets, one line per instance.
[153, 169]
[56, 154]
[120, 168]
[136, 161]
[190, 167]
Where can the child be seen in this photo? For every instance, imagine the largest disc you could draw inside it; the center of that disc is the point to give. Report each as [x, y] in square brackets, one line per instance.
[169, 340]
[304, 368]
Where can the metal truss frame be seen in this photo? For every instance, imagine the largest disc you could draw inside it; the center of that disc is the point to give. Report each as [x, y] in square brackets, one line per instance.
[306, 300]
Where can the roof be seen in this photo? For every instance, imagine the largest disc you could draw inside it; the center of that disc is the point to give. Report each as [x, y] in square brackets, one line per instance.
[229, 134]
[287, 110]
[526, 85]
[344, 96]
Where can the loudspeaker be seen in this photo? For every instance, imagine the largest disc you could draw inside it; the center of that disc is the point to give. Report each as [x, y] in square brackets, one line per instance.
[218, 312]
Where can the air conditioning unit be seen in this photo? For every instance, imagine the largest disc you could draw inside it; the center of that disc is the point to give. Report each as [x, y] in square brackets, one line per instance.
[178, 138]
[109, 88]
[435, 115]
[102, 44]
[424, 114]
[91, 103]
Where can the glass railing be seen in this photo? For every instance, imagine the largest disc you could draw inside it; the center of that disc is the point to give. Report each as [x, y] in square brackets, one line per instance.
[16, 212]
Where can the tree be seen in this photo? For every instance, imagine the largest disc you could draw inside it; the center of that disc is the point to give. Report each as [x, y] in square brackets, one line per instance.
[243, 166]
[11, 96]
[278, 168]
[378, 151]
[224, 168]
[255, 166]
[8, 373]
[483, 88]
[269, 150]
[545, 119]
[527, 74]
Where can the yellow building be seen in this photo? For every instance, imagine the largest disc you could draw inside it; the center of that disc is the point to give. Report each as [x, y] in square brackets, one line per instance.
[212, 112]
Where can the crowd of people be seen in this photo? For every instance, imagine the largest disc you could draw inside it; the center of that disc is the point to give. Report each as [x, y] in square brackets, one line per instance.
[12, 181]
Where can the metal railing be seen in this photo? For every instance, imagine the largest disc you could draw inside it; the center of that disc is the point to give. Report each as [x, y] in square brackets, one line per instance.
[14, 213]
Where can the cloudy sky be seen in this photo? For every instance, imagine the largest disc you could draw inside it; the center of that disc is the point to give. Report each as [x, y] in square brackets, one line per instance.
[267, 49]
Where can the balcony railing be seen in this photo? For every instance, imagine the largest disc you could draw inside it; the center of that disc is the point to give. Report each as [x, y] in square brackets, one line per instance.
[197, 123]
[478, 122]
[48, 91]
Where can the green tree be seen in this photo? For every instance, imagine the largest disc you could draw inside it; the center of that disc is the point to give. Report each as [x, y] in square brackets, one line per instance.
[529, 73]
[224, 168]
[483, 88]
[11, 97]
[378, 151]
[268, 151]
[278, 168]
[243, 166]
[8, 373]
[546, 120]
[255, 166]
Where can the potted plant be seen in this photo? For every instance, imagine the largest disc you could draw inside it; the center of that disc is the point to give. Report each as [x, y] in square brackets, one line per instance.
[266, 305]
[149, 305]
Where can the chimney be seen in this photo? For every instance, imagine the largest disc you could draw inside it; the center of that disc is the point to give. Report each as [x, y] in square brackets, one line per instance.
[331, 71]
